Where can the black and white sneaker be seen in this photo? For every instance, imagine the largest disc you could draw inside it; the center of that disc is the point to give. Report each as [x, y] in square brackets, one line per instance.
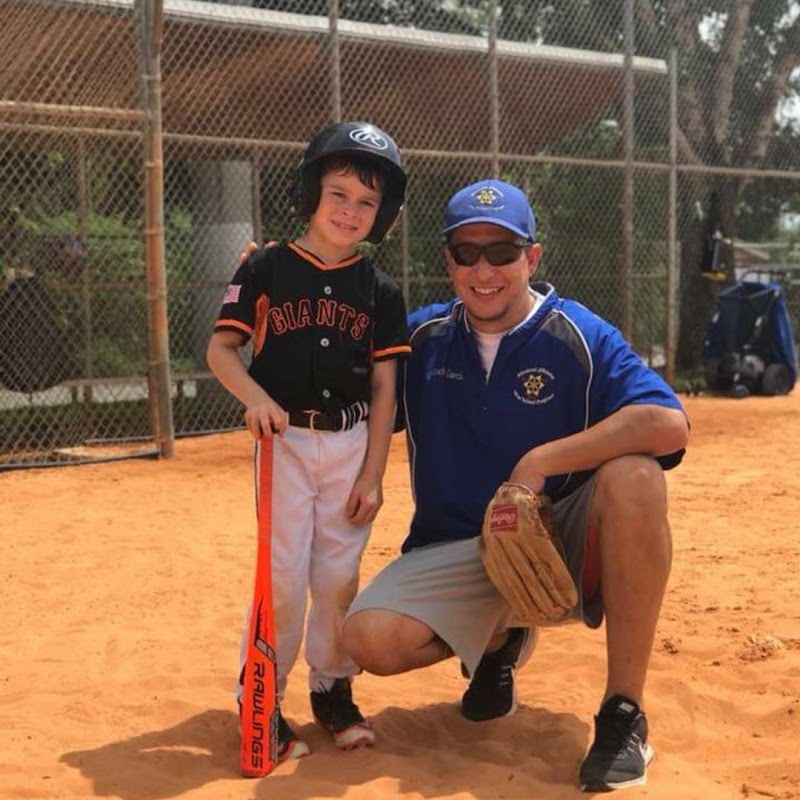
[491, 692]
[335, 710]
[619, 756]
[290, 745]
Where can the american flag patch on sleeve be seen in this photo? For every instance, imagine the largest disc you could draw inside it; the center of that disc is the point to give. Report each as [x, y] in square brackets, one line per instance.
[232, 294]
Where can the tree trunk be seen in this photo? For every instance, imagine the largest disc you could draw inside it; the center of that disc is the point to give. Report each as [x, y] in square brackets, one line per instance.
[698, 300]
[698, 290]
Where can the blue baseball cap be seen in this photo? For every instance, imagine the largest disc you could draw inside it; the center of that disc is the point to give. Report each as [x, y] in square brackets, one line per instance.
[491, 201]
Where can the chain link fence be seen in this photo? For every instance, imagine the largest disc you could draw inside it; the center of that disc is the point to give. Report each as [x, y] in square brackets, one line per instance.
[582, 104]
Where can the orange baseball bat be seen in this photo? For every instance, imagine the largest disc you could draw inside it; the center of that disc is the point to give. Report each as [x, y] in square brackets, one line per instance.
[259, 716]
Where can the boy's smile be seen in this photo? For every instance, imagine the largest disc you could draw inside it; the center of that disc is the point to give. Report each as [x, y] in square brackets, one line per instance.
[344, 217]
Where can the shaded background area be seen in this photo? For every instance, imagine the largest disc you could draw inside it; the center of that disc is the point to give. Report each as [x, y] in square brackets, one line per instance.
[541, 95]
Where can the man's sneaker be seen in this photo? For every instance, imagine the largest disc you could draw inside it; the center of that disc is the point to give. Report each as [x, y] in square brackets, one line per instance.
[491, 693]
[290, 745]
[619, 756]
[335, 710]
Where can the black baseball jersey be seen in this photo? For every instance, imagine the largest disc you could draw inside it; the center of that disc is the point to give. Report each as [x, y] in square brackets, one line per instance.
[316, 328]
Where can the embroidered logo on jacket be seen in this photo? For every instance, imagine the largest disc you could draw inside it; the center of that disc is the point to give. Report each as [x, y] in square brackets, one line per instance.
[535, 386]
[448, 374]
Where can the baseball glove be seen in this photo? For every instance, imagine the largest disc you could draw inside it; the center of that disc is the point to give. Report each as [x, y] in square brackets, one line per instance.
[523, 555]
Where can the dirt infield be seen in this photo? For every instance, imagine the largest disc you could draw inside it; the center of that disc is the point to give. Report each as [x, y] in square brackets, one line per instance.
[124, 586]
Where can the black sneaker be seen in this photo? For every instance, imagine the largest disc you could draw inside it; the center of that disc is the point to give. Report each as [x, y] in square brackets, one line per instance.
[619, 756]
[491, 692]
[290, 745]
[335, 710]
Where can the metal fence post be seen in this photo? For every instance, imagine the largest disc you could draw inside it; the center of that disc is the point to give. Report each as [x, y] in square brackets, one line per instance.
[255, 198]
[405, 240]
[672, 235]
[335, 60]
[494, 90]
[86, 278]
[627, 178]
[159, 380]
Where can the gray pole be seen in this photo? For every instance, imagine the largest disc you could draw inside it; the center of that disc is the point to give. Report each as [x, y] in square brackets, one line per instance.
[335, 60]
[672, 235]
[627, 180]
[255, 198]
[159, 379]
[405, 233]
[86, 278]
[494, 90]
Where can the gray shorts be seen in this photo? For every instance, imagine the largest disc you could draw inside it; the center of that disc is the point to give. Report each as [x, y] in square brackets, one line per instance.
[445, 586]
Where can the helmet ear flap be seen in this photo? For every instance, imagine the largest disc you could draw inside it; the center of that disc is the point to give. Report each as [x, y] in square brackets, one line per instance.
[304, 192]
[386, 225]
[295, 193]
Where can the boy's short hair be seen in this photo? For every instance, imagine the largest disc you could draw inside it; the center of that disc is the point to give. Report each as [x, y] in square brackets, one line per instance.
[365, 149]
[369, 171]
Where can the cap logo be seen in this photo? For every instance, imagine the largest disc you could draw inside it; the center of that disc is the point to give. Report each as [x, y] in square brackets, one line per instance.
[370, 137]
[488, 196]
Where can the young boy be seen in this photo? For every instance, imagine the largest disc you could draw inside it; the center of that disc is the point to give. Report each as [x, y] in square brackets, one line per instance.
[327, 329]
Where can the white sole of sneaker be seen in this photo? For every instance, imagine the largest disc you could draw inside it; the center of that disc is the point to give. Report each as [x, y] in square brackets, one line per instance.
[295, 750]
[525, 653]
[648, 754]
[528, 646]
[513, 710]
[354, 737]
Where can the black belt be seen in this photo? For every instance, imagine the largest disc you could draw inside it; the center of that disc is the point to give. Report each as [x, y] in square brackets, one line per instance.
[336, 421]
[316, 420]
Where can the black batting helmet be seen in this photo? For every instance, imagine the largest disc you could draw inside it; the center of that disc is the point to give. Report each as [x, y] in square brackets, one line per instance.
[364, 141]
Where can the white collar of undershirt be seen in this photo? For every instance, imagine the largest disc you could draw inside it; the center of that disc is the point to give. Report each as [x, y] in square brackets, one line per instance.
[489, 343]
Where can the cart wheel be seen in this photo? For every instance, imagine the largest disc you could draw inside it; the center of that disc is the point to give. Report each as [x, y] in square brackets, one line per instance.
[739, 391]
[694, 388]
[777, 380]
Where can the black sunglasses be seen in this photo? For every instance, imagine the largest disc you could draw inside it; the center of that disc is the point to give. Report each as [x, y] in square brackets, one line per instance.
[498, 254]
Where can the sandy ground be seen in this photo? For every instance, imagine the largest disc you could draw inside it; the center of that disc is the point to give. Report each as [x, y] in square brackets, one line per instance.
[123, 589]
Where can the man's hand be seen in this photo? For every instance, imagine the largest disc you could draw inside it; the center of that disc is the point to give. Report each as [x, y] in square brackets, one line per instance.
[528, 475]
[247, 252]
